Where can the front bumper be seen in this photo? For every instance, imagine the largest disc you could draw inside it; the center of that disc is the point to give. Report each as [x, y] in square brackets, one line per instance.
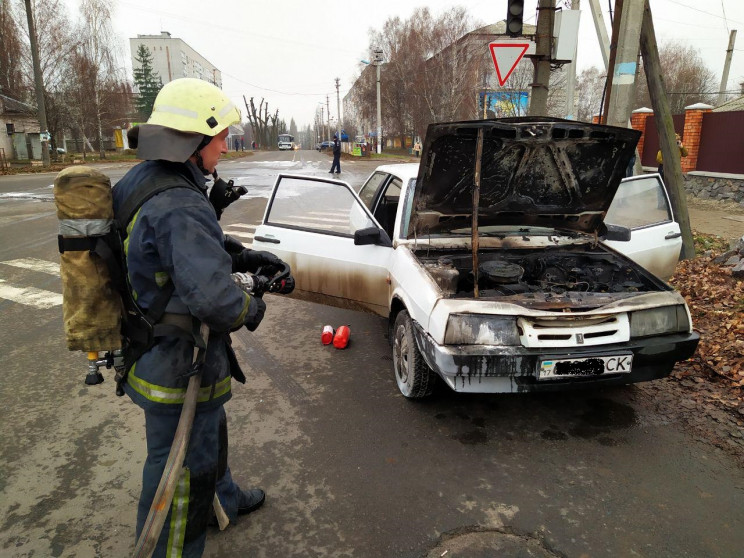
[498, 369]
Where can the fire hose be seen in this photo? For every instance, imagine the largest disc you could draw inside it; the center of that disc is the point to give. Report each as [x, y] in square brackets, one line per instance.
[256, 285]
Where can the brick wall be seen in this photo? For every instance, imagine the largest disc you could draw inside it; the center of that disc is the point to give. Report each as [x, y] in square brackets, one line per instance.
[692, 131]
[638, 122]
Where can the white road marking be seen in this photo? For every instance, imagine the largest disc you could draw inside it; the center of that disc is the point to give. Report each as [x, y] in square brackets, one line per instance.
[30, 296]
[243, 226]
[240, 234]
[34, 264]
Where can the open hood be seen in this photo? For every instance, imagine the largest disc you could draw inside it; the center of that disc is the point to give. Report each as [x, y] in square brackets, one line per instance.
[534, 171]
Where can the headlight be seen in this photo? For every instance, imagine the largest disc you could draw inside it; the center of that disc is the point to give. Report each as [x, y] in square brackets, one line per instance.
[670, 319]
[481, 329]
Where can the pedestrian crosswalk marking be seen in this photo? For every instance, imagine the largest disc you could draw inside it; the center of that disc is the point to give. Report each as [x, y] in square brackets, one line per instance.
[240, 234]
[30, 296]
[34, 264]
[243, 226]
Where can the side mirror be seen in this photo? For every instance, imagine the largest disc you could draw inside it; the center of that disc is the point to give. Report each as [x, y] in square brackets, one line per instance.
[617, 232]
[372, 235]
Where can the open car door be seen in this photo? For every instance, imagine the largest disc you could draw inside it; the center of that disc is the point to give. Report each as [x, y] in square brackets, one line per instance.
[338, 252]
[642, 204]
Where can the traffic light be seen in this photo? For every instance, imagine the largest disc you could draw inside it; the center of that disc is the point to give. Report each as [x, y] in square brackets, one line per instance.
[514, 11]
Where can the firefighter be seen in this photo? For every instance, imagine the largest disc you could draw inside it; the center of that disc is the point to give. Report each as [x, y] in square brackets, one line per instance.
[175, 244]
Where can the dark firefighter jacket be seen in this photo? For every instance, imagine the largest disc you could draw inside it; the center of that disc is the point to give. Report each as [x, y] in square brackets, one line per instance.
[175, 235]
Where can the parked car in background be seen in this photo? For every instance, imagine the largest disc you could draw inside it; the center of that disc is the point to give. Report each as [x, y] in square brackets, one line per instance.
[324, 145]
[490, 259]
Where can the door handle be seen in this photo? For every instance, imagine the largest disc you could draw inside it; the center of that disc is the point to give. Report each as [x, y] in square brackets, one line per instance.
[670, 236]
[267, 239]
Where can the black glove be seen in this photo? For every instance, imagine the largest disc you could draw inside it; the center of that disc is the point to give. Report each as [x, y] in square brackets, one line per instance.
[251, 260]
[256, 310]
[233, 245]
[224, 193]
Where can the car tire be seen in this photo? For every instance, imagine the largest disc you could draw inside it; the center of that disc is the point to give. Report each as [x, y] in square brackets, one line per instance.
[415, 379]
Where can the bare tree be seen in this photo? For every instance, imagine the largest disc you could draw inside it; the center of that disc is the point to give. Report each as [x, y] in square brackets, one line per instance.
[102, 67]
[13, 82]
[55, 46]
[687, 80]
[589, 88]
[265, 125]
[429, 74]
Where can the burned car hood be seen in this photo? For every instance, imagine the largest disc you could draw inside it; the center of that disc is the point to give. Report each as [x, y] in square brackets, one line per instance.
[532, 171]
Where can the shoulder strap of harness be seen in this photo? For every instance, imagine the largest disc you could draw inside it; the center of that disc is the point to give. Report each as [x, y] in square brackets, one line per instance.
[165, 177]
[142, 333]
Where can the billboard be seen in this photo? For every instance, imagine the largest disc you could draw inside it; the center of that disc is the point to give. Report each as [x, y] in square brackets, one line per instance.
[502, 104]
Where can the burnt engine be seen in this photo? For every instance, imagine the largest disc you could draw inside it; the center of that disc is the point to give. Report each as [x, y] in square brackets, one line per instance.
[509, 273]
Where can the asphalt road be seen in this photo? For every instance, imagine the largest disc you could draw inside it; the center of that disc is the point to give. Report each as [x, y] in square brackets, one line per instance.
[350, 467]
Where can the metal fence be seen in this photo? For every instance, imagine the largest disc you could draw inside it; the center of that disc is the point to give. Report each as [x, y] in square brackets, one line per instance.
[722, 143]
[651, 138]
[76, 145]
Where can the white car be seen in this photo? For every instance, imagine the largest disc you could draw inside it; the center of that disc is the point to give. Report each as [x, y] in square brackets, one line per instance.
[537, 299]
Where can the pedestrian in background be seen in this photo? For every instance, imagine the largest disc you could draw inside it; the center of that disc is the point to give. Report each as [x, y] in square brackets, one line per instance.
[682, 153]
[336, 155]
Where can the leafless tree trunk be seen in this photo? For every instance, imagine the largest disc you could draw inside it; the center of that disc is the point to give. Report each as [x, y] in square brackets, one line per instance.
[96, 45]
[14, 82]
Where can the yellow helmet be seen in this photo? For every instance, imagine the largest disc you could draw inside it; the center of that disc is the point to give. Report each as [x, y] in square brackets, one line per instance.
[193, 105]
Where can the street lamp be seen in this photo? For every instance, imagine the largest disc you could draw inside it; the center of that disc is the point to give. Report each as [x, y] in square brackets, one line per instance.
[377, 60]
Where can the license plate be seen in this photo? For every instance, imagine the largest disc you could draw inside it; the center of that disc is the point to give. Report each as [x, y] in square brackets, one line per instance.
[555, 369]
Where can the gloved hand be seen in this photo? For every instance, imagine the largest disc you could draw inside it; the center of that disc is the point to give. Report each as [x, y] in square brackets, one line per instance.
[256, 310]
[251, 260]
[224, 193]
[233, 245]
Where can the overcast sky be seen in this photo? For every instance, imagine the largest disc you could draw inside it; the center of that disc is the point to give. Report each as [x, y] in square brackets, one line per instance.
[289, 52]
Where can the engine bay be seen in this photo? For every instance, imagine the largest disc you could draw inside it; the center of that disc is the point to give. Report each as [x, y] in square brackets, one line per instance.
[559, 271]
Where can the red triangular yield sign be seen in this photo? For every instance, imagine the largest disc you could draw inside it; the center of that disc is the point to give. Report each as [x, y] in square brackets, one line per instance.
[506, 56]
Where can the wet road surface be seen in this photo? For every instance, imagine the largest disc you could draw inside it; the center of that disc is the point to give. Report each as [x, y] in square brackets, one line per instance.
[350, 467]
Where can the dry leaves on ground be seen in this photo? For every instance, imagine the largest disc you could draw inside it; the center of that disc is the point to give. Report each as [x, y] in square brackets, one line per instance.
[716, 301]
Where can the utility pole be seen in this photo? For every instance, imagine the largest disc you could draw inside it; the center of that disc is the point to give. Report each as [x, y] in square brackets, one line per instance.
[338, 110]
[665, 126]
[599, 25]
[328, 110]
[726, 66]
[541, 59]
[39, 81]
[378, 62]
[571, 81]
[626, 32]
[322, 124]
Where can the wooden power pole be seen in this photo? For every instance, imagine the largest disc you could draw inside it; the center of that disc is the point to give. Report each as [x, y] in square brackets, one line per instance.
[665, 126]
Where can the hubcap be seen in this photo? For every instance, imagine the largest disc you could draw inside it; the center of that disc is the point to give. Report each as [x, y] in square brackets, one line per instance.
[401, 355]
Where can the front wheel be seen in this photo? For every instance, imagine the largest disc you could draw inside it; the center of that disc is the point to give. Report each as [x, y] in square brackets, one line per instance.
[415, 379]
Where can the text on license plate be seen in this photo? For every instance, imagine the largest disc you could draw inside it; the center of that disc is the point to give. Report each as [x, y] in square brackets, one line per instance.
[584, 367]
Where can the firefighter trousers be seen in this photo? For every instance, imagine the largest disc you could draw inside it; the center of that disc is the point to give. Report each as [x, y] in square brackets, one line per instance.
[205, 471]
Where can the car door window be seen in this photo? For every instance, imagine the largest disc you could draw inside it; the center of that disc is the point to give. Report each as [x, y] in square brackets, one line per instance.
[370, 188]
[387, 206]
[317, 206]
[639, 203]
